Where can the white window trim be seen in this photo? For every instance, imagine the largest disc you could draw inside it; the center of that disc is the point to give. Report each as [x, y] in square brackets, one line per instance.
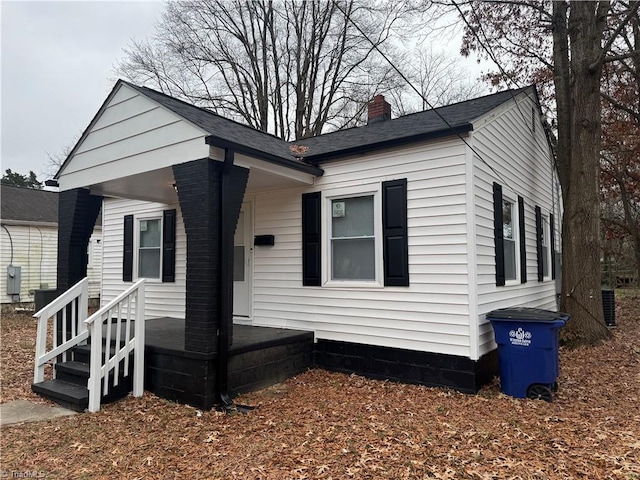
[360, 191]
[136, 246]
[515, 221]
[546, 241]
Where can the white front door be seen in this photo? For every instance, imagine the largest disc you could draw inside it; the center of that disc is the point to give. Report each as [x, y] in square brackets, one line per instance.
[242, 260]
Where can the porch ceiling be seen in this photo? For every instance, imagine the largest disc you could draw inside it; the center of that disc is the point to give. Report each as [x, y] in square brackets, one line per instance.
[157, 185]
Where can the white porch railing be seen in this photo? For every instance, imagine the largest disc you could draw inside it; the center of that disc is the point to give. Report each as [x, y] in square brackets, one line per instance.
[127, 306]
[70, 309]
[65, 316]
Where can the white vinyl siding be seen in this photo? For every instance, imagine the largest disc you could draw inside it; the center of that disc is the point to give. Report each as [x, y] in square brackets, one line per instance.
[162, 299]
[35, 250]
[432, 314]
[506, 141]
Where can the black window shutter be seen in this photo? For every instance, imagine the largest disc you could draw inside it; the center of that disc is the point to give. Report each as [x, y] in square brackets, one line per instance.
[169, 246]
[523, 243]
[127, 254]
[311, 231]
[552, 240]
[539, 234]
[498, 234]
[395, 244]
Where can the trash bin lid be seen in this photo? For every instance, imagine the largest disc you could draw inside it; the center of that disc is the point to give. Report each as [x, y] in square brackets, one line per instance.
[526, 314]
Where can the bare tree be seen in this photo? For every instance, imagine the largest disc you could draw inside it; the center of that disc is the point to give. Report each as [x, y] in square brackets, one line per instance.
[287, 67]
[57, 159]
[439, 79]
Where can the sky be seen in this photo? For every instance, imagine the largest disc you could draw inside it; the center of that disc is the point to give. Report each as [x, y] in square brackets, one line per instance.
[57, 67]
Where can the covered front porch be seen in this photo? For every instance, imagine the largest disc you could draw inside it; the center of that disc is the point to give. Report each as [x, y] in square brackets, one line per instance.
[171, 180]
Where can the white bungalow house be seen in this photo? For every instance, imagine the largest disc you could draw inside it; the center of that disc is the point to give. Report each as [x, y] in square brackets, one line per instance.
[389, 243]
[29, 244]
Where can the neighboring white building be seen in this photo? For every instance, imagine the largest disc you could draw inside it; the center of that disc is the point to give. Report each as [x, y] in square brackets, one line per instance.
[29, 244]
[391, 242]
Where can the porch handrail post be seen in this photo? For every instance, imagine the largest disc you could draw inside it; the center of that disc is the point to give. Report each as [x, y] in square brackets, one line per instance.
[138, 362]
[95, 365]
[83, 307]
[41, 346]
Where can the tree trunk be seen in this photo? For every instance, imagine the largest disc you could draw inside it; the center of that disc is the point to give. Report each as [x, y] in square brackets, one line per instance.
[581, 276]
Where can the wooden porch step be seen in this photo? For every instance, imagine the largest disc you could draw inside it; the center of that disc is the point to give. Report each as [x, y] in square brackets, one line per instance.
[82, 353]
[73, 372]
[69, 395]
[69, 388]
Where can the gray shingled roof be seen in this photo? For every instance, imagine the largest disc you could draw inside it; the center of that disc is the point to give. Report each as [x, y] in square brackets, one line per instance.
[28, 204]
[414, 127]
[401, 130]
[219, 126]
[20, 204]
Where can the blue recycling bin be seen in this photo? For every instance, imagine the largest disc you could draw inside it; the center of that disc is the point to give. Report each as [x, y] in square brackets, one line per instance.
[527, 341]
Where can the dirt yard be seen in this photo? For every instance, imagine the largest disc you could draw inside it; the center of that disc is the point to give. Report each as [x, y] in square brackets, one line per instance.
[333, 426]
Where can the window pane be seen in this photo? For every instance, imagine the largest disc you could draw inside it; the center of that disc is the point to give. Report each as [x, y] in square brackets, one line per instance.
[357, 220]
[545, 261]
[150, 233]
[509, 259]
[507, 220]
[149, 263]
[238, 263]
[353, 259]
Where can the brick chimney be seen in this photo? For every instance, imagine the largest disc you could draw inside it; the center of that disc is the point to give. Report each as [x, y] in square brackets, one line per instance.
[379, 110]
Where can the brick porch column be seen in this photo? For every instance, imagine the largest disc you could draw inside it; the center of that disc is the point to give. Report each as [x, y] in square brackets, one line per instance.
[77, 214]
[199, 185]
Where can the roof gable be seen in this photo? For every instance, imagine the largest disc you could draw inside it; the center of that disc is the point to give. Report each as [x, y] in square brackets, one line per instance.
[126, 115]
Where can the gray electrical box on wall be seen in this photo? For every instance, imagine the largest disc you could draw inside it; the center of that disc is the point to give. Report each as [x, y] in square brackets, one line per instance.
[14, 278]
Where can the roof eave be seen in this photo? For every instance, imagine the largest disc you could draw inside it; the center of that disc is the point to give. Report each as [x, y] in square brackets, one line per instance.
[458, 130]
[28, 223]
[219, 142]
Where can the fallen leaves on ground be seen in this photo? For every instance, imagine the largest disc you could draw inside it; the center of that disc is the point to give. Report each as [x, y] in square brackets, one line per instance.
[17, 358]
[333, 426]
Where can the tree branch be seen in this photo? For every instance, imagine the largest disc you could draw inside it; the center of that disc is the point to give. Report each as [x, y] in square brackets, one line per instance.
[622, 56]
[633, 9]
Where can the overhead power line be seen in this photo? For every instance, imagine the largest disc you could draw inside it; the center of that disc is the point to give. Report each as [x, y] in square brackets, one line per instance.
[415, 89]
[503, 72]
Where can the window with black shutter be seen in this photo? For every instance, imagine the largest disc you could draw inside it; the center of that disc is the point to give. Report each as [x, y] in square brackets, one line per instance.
[149, 244]
[355, 227]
